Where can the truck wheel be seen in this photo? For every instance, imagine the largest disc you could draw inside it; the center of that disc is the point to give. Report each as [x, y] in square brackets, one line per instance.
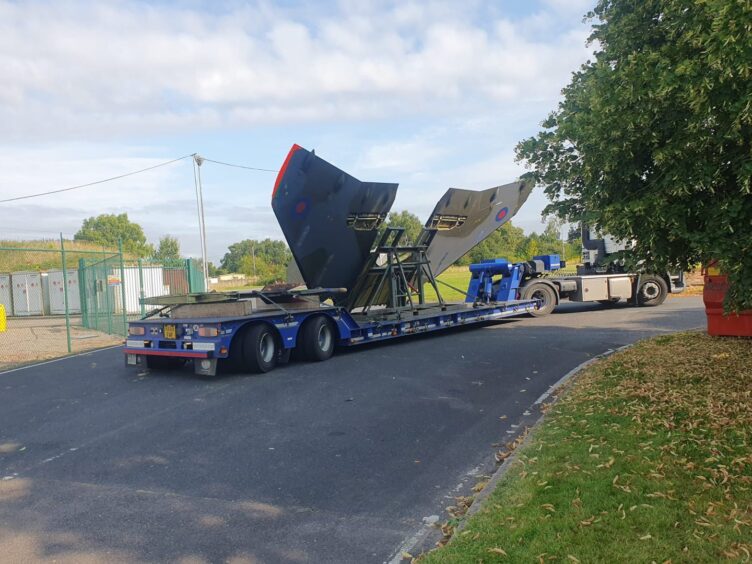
[317, 339]
[260, 348]
[542, 292]
[652, 291]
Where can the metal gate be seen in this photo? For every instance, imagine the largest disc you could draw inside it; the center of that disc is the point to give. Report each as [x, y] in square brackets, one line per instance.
[100, 281]
[112, 288]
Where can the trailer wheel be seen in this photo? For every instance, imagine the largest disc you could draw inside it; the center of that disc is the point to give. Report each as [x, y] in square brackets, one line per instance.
[234, 362]
[542, 292]
[260, 348]
[652, 291]
[317, 338]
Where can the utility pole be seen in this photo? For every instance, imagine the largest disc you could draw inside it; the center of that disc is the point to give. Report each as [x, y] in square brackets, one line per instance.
[197, 162]
[253, 254]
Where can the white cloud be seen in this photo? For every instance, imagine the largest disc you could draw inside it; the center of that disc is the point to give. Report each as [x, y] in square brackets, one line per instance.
[81, 81]
[81, 69]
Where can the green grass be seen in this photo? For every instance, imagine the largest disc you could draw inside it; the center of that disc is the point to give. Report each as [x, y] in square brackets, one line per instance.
[44, 254]
[457, 276]
[646, 458]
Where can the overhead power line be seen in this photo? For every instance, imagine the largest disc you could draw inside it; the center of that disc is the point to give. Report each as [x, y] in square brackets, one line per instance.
[238, 166]
[192, 155]
[96, 181]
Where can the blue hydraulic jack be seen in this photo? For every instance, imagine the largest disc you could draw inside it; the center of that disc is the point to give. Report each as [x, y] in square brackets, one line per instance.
[484, 289]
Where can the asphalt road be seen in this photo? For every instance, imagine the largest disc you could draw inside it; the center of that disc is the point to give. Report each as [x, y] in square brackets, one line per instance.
[331, 462]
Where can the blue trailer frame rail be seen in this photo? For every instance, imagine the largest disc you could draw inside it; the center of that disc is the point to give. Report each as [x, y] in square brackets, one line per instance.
[208, 340]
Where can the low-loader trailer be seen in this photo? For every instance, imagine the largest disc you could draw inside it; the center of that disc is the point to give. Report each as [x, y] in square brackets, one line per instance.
[254, 331]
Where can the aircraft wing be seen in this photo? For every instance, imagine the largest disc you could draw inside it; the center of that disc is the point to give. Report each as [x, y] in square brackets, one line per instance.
[329, 218]
[464, 218]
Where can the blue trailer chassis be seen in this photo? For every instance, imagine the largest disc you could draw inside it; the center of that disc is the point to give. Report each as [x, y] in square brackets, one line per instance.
[184, 342]
[492, 294]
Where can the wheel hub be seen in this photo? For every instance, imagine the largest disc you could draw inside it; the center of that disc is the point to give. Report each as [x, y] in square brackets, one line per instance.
[651, 290]
[266, 347]
[324, 338]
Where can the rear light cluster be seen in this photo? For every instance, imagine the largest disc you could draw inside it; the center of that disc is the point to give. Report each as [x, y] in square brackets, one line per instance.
[208, 331]
[136, 330]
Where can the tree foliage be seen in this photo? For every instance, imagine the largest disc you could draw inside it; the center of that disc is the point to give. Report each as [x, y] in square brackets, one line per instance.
[409, 221]
[168, 249]
[267, 260]
[653, 139]
[511, 243]
[108, 229]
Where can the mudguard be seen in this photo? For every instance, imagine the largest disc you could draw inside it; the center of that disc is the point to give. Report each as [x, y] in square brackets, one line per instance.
[464, 218]
[329, 218]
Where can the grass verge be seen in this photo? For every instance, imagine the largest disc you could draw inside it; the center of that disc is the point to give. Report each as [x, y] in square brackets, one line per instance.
[645, 458]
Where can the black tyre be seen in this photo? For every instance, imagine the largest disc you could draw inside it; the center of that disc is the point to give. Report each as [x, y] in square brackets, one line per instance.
[260, 348]
[652, 290]
[611, 302]
[542, 292]
[316, 339]
[234, 362]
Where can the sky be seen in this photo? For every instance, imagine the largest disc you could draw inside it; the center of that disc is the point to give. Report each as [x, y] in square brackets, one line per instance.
[430, 94]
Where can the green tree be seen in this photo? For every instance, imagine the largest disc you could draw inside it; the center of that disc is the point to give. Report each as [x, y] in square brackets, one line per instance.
[506, 242]
[549, 242]
[531, 247]
[409, 221]
[270, 251]
[107, 229]
[652, 141]
[574, 234]
[168, 249]
[213, 269]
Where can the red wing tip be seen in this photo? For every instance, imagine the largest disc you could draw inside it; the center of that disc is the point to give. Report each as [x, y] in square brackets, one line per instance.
[282, 170]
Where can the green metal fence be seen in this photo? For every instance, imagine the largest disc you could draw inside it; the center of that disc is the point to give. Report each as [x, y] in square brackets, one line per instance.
[113, 288]
[64, 296]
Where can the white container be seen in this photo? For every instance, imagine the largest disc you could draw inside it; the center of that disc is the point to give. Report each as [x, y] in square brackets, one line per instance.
[6, 296]
[56, 285]
[27, 293]
[153, 286]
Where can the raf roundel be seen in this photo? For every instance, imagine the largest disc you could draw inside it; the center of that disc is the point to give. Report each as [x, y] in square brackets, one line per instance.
[502, 214]
[300, 210]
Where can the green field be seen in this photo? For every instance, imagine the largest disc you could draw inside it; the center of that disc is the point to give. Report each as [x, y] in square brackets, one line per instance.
[36, 255]
[457, 276]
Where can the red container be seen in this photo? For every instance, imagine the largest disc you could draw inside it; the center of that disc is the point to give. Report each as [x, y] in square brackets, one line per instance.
[733, 325]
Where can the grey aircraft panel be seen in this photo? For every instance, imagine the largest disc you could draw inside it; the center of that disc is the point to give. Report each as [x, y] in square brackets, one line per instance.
[328, 217]
[464, 218]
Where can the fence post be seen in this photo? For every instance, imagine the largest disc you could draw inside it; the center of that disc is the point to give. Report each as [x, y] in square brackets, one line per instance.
[193, 285]
[141, 293]
[122, 287]
[83, 290]
[65, 293]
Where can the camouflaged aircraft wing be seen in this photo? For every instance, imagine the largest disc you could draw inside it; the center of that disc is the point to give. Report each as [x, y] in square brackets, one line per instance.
[464, 218]
[329, 218]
